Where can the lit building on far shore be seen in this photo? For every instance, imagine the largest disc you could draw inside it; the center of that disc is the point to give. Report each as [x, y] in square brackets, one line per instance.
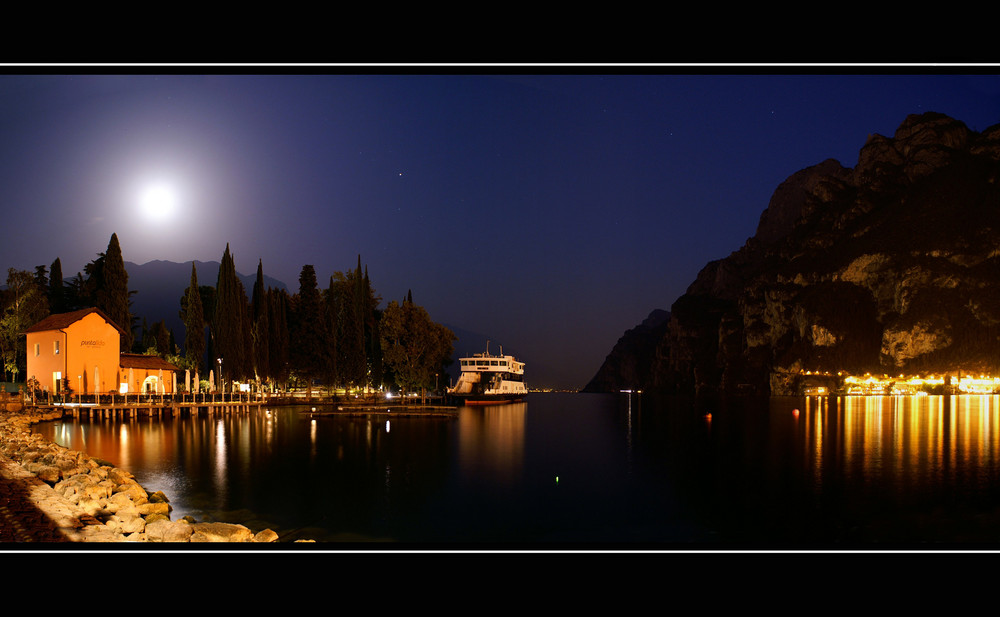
[80, 351]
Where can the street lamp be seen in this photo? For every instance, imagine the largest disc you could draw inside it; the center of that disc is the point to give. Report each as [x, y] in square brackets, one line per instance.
[222, 384]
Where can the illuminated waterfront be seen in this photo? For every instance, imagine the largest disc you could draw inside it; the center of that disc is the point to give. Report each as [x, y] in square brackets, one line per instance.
[819, 383]
[786, 472]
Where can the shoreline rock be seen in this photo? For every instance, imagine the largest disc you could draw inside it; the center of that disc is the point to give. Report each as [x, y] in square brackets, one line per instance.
[91, 500]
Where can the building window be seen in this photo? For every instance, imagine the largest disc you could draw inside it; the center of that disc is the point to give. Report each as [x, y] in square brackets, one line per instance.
[56, 347]
[38, 349]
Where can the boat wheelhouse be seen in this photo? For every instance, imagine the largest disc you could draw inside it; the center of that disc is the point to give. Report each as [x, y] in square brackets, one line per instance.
[487, 379]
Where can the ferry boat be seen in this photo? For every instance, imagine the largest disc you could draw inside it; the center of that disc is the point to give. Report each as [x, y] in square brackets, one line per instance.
[488, 380]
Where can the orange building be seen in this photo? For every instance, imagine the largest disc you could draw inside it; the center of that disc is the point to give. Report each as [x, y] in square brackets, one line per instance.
[149, 374]
[80, 350]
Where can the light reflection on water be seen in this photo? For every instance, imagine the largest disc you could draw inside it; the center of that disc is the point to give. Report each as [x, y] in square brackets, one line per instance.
[287, 469]
[491, 444]
[908, 442]
[783, 472]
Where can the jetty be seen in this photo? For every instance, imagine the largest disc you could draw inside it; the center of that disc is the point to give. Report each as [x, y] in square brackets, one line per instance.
[178, 406]
[150, 406]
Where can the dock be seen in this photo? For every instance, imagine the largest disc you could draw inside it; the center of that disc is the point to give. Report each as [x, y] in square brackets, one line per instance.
[112, 410]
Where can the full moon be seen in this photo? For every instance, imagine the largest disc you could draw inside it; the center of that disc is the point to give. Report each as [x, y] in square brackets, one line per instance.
[158, 202]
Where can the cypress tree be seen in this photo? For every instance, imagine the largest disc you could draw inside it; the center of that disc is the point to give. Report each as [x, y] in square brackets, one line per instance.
[360, 305]
[230, 320]
[112, 295]
[260, 327]
[338, 309]
[373, 346]
[57, 294]
[194, 323]
[161, 338]
[331, 307]
[277, 346]
[309, 339]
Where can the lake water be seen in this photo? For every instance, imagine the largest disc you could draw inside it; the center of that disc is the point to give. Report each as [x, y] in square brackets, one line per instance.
[586, 470]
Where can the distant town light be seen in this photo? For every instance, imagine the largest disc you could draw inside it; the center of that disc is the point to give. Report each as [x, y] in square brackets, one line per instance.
[912, 385]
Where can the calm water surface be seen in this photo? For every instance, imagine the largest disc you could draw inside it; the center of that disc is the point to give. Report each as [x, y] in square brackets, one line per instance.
[586, 470]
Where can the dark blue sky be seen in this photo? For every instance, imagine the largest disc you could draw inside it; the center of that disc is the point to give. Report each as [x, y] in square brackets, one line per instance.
[549, 213]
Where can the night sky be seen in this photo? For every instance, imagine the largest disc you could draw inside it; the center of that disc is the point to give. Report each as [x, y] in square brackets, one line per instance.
[549, 213]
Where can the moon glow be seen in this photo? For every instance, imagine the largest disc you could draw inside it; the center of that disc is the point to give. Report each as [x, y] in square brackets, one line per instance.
[158, 202]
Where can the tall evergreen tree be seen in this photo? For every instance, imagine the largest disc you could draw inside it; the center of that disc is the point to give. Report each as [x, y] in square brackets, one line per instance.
[278, 341]
[260, 328]
[351, 341]
[337, 309]
[56, 291]
[161, 338]
[194, 323]
[359, 304]
[42, 278]
[353, 315]
[230, 329]
[331, 309]
[309, 338]
[112, 294]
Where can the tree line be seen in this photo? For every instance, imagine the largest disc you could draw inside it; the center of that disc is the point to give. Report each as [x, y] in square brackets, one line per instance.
[334, 336]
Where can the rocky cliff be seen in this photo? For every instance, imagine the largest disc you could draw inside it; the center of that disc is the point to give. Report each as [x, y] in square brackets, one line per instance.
[890, 267]
[630, 363]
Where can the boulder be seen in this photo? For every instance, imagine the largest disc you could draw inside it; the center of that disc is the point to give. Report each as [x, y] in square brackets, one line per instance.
[267, 535]
[126, 523]
[168, 531]
[220, 532]
[150, 508]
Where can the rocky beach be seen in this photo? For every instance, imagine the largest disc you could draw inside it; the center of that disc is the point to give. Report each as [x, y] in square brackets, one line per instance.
[49, 493]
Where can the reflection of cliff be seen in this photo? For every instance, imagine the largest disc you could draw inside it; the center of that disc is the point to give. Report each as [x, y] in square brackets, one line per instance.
[889, 267]
[491, 441]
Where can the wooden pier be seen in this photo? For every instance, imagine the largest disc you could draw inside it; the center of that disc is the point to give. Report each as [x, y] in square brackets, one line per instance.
[159, 407]
[152, 408]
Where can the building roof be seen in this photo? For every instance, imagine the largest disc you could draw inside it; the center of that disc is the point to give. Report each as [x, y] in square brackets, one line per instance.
[58, 321]
[142, 361]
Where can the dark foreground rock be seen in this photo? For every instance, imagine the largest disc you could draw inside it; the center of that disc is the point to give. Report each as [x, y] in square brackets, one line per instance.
[49, 493]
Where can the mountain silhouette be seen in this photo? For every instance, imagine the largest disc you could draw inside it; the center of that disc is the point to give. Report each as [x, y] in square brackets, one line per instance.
[159, 286]
[889, 268]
